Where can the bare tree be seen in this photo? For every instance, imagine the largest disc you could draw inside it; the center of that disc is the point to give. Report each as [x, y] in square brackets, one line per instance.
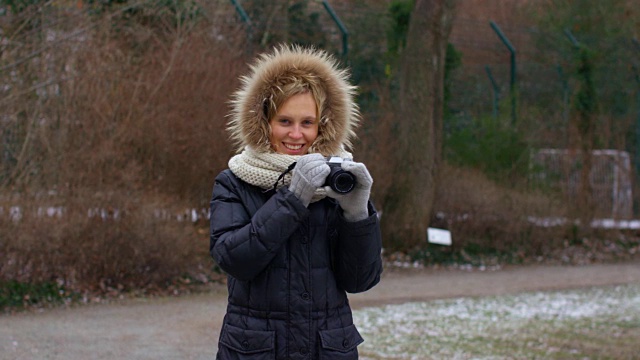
[418, 126]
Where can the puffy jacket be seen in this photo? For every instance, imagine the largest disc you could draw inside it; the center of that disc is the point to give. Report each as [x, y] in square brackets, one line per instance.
[289, 268]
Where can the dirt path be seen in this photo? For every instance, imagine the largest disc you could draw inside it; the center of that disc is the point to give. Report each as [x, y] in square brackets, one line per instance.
[187, 327]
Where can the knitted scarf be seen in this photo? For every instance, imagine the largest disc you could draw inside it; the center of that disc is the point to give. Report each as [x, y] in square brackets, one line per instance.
[264, 169]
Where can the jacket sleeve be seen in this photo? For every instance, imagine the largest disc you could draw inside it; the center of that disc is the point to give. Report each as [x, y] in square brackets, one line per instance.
[358, 263]
[241, 244]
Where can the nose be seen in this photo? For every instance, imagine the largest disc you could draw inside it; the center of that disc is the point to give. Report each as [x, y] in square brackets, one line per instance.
[295, 133]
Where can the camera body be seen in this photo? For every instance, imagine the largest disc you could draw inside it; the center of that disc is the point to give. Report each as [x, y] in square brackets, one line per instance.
[339, 180]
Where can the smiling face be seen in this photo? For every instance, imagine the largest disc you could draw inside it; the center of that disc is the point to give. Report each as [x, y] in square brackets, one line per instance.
[295, 126]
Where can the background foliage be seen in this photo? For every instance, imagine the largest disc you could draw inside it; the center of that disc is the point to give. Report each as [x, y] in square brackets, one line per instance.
[112, 117]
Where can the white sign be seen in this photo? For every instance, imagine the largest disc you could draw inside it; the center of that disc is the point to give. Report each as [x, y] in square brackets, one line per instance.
[439, 236]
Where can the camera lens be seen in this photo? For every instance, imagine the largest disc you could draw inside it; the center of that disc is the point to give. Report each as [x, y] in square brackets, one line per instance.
[342, 182]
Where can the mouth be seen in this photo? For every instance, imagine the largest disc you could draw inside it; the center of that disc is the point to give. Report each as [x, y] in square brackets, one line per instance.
[293, 147]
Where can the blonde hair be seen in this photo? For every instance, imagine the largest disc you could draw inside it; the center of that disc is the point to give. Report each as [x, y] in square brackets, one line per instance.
[297, 85]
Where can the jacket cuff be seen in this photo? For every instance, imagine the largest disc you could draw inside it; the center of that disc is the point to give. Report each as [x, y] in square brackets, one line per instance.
[292, 199]
[372, 216]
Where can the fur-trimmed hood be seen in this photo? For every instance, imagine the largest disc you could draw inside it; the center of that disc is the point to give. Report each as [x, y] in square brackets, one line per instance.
[248, 124]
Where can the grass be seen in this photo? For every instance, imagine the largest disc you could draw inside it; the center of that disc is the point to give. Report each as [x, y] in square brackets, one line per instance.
[595, 323]
[14, 294]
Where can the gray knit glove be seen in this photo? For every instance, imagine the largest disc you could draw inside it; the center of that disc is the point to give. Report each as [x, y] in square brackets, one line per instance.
[354, 203]
[309, 174]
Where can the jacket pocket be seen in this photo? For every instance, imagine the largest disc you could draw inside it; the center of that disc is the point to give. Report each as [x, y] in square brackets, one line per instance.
[237, 343]
[341, 344]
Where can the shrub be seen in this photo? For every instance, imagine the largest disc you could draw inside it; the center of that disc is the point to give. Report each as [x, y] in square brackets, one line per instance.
[490, 222]
[125, 245]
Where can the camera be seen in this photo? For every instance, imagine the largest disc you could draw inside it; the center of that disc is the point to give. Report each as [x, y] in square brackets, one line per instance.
[339, 180]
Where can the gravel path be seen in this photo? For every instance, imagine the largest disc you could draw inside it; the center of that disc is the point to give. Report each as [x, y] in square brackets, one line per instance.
[187, 327]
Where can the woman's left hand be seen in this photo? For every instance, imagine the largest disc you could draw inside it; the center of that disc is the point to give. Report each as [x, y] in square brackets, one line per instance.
[354, 203]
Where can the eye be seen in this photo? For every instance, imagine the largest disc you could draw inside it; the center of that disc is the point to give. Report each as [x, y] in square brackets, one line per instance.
[308, 122]
[283, 121]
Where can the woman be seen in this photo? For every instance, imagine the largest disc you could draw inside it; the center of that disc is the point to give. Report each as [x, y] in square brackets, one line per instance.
[291, 246]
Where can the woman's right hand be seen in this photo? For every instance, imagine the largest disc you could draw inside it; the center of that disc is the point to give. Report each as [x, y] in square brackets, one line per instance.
[309, 174]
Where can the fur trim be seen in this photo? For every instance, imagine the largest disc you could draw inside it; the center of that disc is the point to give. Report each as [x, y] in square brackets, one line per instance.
[249, 126]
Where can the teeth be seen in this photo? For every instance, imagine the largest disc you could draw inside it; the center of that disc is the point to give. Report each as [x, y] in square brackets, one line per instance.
[293, 147]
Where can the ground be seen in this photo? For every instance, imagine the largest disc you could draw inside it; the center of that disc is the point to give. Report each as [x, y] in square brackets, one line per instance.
[186, 327]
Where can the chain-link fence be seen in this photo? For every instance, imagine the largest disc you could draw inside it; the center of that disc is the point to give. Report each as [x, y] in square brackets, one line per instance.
[526, 100]
[521, 85]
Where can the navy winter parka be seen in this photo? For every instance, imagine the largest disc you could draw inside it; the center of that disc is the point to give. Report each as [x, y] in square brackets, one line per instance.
[289, 268]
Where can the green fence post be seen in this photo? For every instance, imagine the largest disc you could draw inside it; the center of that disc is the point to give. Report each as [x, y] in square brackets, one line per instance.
[565, 95]
[343, 29]
[512, 50]
[243, 15]
[637, 122]
[496, 91]
[572, 38]
[637, 71]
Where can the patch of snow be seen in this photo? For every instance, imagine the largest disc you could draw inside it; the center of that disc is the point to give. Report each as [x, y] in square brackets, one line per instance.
[438, 328]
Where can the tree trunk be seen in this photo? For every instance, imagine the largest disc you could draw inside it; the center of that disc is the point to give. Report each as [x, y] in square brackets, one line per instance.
[418, 133]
